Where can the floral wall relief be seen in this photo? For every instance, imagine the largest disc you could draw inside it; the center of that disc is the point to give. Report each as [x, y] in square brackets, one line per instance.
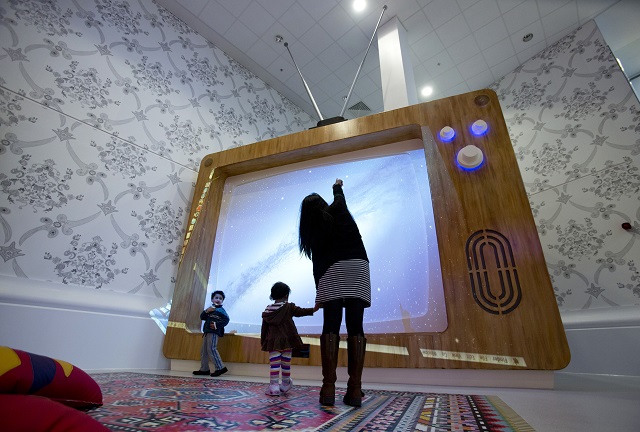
[106, 110]
[575, 127]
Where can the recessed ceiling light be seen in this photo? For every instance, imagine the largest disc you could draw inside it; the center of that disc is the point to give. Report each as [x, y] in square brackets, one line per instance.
[426, 91]
[527, 37]
[359, 5]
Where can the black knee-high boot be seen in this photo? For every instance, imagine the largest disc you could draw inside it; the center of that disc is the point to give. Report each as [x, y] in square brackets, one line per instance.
[356, 347]
[329, 346]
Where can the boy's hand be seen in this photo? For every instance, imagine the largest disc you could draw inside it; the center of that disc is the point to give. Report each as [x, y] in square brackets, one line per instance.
[209, 309]
[317, 306]
[213, 326]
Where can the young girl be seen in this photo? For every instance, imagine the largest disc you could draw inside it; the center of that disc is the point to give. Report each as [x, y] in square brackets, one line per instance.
[279, 336]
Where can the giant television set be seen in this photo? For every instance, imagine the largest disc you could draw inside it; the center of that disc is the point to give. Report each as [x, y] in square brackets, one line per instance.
[459, 280]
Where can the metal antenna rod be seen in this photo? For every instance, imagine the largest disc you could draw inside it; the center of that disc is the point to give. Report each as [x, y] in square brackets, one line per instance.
[306, 87]
[346, 101]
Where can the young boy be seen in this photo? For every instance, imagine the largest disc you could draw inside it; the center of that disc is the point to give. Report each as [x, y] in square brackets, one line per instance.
[215, 319]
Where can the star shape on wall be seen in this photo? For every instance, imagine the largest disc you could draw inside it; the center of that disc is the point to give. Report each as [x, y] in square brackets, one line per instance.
[174, 178]
[104, 50]
[149, 277]
[107, 208]
[140, 116]
[563, 198]
[594, 291]
[64, 134]
[10, 252]
[16, 54]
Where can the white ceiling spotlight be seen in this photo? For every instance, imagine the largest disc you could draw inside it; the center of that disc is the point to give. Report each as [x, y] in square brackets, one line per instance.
[359, 5]
[426, 91]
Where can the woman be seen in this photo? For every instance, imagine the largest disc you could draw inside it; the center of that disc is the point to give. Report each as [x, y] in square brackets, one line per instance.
[330, 237]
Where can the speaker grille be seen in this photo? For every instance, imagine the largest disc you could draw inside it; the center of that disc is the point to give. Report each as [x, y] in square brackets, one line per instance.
[492, 272]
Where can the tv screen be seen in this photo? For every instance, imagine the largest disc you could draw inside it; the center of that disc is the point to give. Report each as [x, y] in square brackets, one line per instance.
[387, 192]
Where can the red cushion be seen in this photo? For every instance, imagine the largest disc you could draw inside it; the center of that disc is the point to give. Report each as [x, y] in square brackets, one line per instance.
[25, 413]
[26, 373]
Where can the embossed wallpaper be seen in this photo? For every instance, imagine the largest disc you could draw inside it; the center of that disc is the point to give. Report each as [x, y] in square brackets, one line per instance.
[106, 109]
[574, 123]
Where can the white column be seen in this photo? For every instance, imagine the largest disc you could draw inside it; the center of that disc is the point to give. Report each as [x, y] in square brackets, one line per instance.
[398, 84]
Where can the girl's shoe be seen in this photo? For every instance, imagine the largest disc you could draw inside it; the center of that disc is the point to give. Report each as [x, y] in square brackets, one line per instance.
[273, 390]
[285, 387]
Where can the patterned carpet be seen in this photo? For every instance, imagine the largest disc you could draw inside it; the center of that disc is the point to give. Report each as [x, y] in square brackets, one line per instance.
[143, 402]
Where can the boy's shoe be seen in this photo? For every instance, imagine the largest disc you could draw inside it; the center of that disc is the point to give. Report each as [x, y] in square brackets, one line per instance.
[220, 372]
[273, 390]
[285, 387]
[199, 372]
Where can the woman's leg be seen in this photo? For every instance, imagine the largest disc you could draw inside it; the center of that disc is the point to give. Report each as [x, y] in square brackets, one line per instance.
[329, 345]
[356, 346]
[354, 316]
[332, 314]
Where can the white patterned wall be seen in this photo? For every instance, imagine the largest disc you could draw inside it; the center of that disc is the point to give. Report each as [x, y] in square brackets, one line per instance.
[107, 107]
[106, 110]
[574, 123]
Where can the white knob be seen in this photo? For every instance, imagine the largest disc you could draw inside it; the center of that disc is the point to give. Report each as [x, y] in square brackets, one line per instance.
[479, 127]
[470, 157]
[447, 133]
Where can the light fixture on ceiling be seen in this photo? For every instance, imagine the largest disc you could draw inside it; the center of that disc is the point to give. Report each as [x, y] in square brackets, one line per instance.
[426, 91]
[278, 38]
[359, 5]
[527, 37]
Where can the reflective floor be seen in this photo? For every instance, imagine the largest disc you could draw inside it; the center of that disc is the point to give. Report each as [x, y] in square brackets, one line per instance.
[577, 403]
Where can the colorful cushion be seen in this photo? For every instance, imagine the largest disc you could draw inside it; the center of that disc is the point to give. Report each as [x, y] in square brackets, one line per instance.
[38, 414]
[31, 374]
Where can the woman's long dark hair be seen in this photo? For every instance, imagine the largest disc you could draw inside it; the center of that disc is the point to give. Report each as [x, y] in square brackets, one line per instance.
[315, 224]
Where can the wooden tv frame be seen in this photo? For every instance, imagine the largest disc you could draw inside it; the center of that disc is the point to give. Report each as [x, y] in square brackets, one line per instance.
[501, 308]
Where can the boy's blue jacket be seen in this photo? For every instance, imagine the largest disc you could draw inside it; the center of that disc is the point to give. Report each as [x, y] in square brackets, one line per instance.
[218, 316]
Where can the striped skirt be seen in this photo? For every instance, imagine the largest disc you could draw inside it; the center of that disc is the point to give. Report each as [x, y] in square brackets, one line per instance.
[345, 279]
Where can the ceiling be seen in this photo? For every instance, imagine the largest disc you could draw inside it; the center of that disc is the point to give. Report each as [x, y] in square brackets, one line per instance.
[455, 45]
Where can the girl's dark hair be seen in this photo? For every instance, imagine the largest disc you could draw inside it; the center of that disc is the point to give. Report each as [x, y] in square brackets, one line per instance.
[315, 224]
[217, 292]
[279, 290]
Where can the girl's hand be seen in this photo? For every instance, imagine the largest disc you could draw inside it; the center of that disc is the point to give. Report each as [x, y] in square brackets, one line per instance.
[338, 182]
[317, 306]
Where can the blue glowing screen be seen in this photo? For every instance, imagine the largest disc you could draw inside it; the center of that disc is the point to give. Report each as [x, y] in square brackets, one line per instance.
[387, 191]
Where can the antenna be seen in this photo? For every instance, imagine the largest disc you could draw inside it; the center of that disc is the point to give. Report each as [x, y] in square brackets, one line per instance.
[346, 101]
[340, 118]
[306, 87]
